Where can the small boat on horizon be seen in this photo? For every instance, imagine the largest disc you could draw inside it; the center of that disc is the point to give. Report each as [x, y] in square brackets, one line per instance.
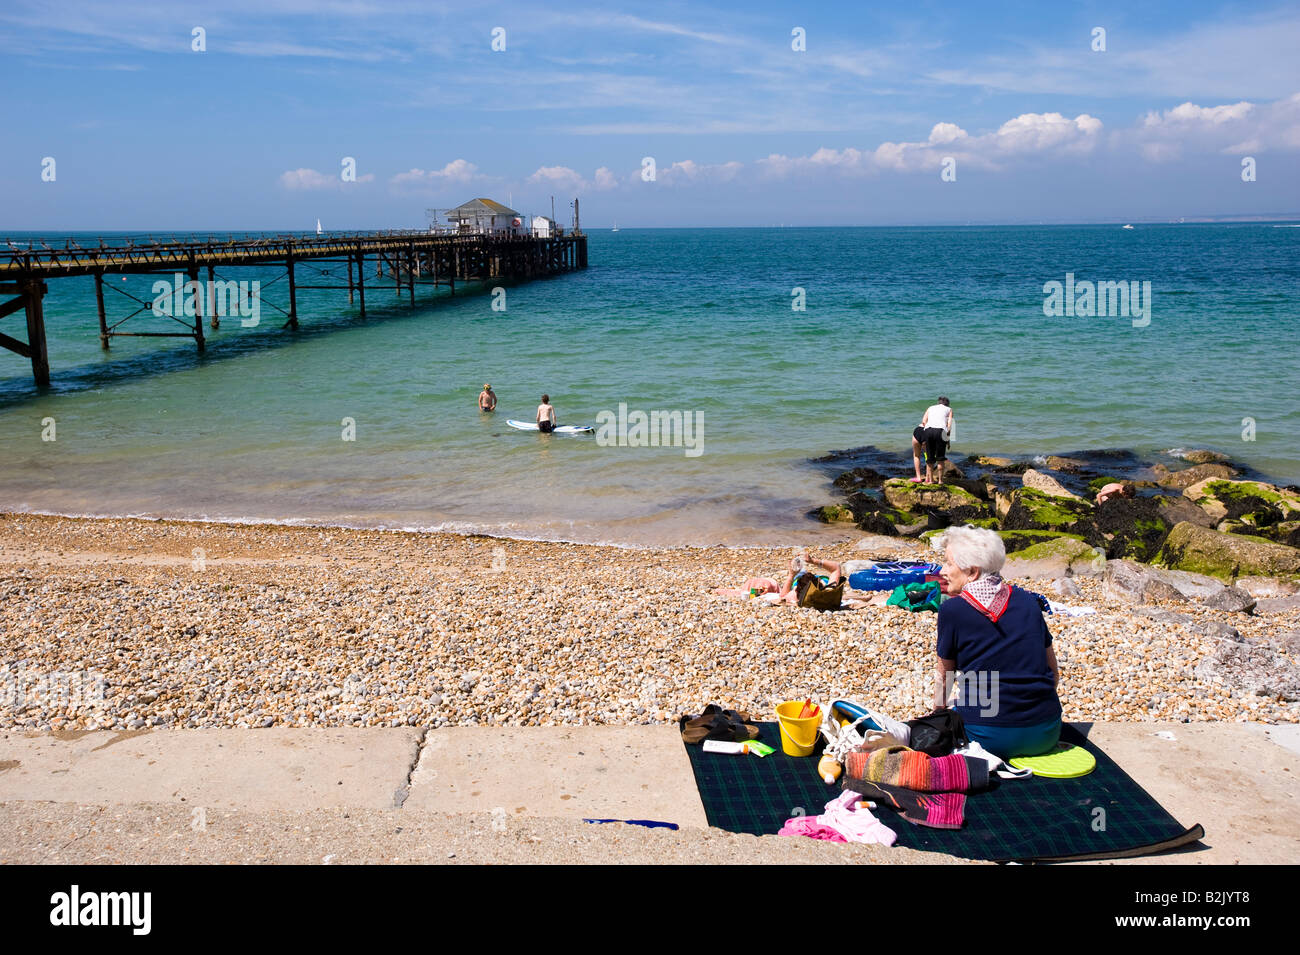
[1128, 227]
[615, 229]
[318, 229]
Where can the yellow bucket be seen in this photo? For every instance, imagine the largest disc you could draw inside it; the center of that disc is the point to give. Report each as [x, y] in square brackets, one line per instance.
[798, 736]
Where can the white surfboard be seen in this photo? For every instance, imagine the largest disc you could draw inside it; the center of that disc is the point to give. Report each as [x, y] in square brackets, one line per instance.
[562, 429]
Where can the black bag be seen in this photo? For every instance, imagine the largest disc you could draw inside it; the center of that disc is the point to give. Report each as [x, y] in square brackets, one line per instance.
[939, 733]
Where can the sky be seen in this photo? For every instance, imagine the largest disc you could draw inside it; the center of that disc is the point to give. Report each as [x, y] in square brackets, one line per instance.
[242, 115]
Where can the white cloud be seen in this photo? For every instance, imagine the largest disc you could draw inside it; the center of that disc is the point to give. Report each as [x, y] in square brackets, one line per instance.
[688, 170]
[570, 180]
[311, 179]
[1235, 128]
[456, 171]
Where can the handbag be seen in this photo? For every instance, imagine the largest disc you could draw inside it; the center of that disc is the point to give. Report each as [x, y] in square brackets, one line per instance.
[939, 733]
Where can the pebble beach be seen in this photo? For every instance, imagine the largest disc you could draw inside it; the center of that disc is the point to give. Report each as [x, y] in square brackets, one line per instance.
[126, 624]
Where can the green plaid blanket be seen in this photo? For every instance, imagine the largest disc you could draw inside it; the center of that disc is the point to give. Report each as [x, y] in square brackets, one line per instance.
[1104, 815]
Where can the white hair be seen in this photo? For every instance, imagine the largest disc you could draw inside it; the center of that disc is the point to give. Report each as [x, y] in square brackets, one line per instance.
[975, 547]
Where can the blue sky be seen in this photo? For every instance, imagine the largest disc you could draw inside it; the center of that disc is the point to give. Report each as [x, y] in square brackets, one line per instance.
[856, 128]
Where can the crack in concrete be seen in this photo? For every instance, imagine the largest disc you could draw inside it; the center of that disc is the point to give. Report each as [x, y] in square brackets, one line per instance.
[404, 790]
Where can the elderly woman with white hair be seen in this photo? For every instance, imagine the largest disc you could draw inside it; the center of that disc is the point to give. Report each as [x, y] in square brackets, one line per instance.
[996, 636]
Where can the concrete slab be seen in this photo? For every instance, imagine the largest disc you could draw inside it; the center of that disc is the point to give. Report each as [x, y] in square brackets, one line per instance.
[606, 772]
[1229, 777]
[1284, 734]
[225, 768]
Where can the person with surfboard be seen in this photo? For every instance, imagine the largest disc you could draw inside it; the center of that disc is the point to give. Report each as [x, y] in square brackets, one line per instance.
[487, 399]
[545, 415]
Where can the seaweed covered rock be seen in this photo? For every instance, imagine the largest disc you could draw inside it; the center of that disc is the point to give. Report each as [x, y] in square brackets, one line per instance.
[1251, 503]
[834, 514]
[1205, 551]
[1028, 509]
[1197, 473]
[1175, 510]
[858, 478]
[1015, 541]
[1054, 558]
[1129, 527]
[956, 504]
[1202, 456]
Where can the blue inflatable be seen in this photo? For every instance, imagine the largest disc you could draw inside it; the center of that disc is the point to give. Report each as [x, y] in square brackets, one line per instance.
[887, 575]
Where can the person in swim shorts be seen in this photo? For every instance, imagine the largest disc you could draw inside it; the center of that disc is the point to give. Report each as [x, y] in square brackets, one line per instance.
[545, 415]
[487, 399]
[938, 427]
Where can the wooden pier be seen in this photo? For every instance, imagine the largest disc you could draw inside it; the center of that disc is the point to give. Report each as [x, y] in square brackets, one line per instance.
[407, 259]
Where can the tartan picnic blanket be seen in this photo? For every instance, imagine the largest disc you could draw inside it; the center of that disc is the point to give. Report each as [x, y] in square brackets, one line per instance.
[1103, 815]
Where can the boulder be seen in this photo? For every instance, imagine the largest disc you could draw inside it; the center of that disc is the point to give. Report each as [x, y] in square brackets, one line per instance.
[1277, 604]
[1250, 502]
[1227, 556]
[1204, 457]
[1231, 599]
[1054, 558]
[1045, 483]
[1129, 527]
[1251, 669]
[992, 463]
[1197, 473]
[1137, 583]
[878, 524]
[1267, 586]
[1175, 510]
[1066, 587]
[956, 504]
[1015, 541]
[1069, 465]
[859, 477]
[1030, 509]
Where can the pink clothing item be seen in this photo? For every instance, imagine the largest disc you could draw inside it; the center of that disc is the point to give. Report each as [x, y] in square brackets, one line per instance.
[845, 814]
[811, 827]
[841, 822]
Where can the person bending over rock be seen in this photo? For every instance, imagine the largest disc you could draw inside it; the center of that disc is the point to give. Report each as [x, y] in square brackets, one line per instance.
[996, 636]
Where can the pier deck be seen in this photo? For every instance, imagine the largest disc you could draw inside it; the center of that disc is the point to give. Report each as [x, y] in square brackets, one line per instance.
[407, 257]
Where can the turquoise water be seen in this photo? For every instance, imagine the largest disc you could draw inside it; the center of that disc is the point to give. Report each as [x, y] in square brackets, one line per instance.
[698, 321]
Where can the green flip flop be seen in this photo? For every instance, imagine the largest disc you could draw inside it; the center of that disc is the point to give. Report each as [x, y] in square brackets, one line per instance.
[1066, 761]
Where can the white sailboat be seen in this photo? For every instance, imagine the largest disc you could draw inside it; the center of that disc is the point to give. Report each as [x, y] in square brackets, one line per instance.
[318, 229]
[615, 229]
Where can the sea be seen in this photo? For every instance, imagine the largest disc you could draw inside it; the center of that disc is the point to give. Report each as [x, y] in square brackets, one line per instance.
[775, 346]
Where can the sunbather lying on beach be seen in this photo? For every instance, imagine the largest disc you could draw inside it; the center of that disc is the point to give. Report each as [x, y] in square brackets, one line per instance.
[768, 591]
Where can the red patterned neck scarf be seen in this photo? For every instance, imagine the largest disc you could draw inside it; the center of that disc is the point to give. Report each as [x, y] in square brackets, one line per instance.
[989, 595]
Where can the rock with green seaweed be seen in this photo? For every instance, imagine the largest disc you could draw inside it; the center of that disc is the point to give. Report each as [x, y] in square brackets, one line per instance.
[1028, 509]
[1227, 556]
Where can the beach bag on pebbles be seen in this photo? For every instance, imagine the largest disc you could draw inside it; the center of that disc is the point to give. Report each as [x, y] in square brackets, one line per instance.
[817, 595]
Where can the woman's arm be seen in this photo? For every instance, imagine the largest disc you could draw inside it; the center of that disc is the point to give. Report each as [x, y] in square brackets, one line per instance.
[941, 686]
[1055, 667]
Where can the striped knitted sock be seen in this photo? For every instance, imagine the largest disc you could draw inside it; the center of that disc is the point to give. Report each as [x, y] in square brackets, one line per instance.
[936, 810]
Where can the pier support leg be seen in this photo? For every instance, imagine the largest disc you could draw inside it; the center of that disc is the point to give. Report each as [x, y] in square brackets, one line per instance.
[293, 295]
[349, 280]
[213, 320]
[361, 281]
[99, 303]
[35, 294]
[196, 289]
[410, 272]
